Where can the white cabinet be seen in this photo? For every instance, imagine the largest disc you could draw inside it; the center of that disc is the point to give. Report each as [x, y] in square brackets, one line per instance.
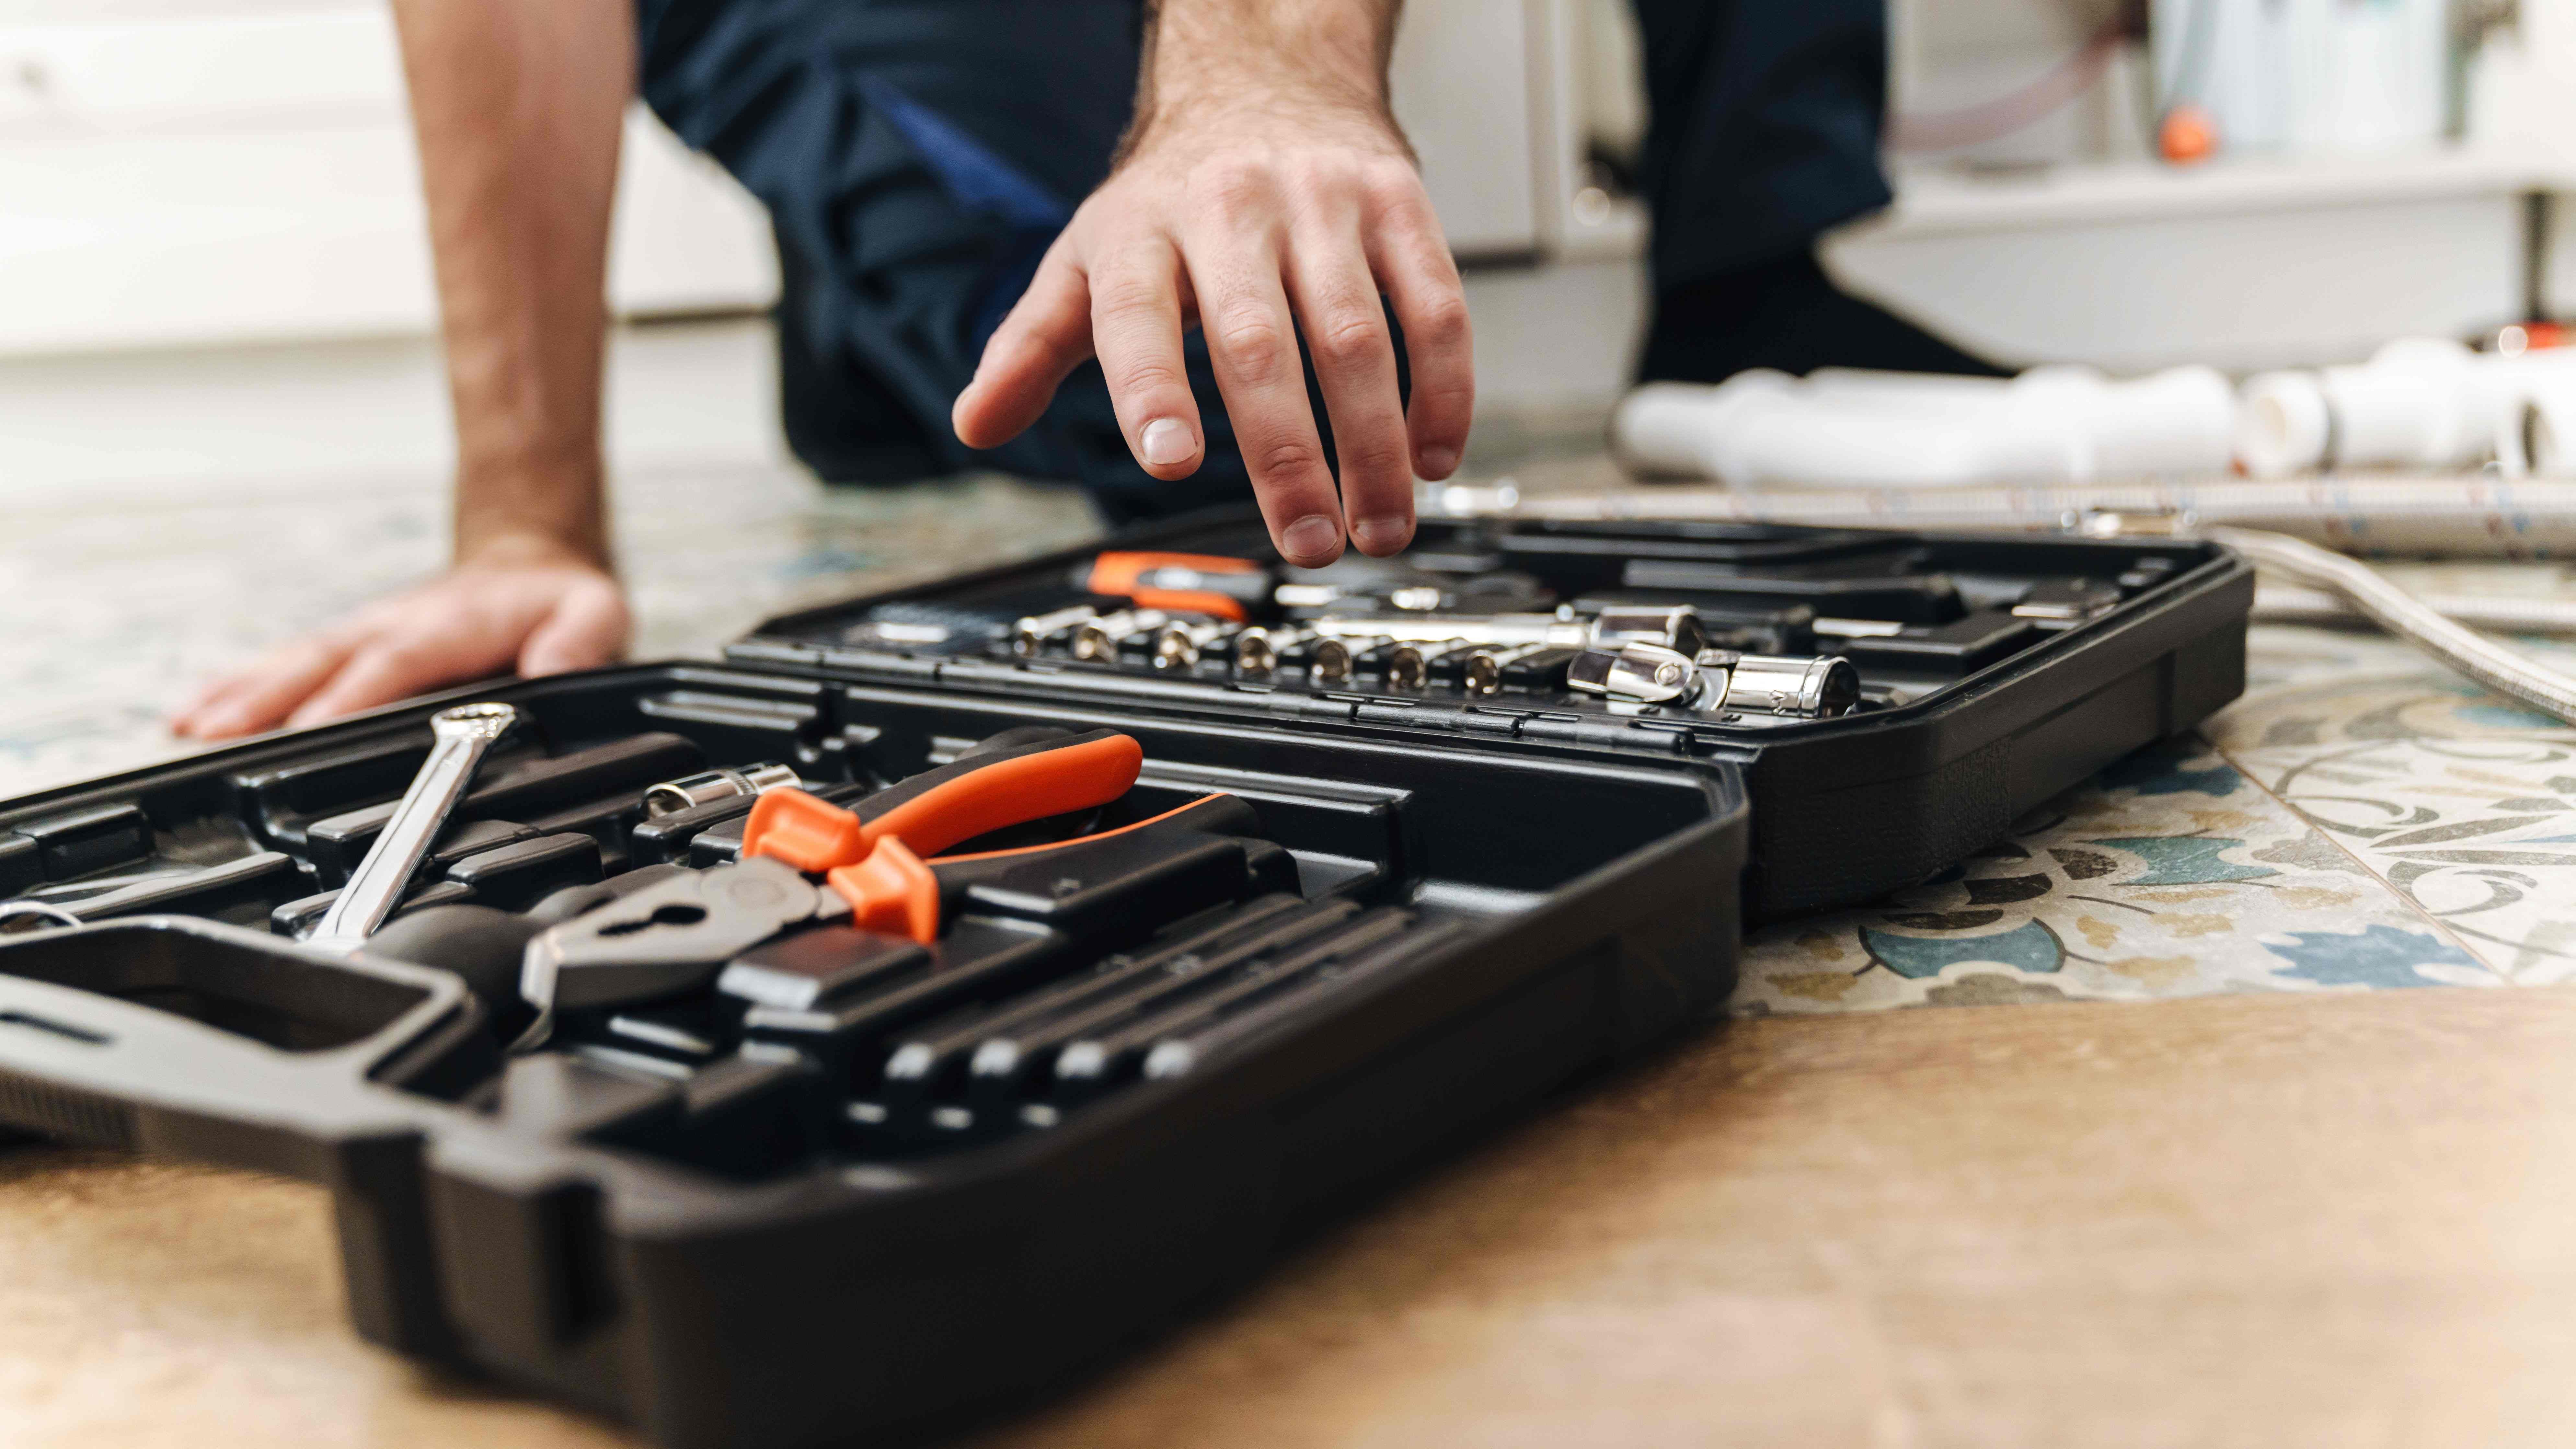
[207, 171]
[189, 173]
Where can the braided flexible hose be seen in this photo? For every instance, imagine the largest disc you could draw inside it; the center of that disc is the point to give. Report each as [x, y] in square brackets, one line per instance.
[2403, 615]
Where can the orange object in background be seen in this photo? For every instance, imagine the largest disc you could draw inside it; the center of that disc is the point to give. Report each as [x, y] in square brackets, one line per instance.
[2189, 134]
[1189, 583]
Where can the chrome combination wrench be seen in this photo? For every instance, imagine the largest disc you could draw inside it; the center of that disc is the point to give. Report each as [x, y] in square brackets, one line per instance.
[464, 735]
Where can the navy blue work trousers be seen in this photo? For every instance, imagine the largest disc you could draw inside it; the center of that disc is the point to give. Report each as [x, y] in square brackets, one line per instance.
[917, 156]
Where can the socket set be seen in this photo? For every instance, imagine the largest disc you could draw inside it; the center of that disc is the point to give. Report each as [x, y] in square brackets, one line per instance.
[954, 985]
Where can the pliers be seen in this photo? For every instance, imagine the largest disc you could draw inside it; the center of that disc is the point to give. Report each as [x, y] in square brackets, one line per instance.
[680, 933]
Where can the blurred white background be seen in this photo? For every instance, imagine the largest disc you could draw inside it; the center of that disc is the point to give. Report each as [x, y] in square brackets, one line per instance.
[184, 175]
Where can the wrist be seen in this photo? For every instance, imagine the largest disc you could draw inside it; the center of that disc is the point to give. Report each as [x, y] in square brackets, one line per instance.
[526, 549]
[1320, 72]
[523, 512]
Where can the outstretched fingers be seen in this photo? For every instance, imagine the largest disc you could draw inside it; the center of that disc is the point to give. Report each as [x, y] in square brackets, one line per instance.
[1045, 337]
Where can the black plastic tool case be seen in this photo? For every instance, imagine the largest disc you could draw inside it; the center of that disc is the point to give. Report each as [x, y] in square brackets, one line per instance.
[711, 1232]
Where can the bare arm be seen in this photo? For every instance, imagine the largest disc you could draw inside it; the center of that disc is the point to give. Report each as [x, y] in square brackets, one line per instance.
[1263, 188]
[517, 105]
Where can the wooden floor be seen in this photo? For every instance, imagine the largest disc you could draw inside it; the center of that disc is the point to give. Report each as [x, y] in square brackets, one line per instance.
[2258, 1220]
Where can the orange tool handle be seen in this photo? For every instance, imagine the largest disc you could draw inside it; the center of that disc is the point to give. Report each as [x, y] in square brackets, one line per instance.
[897, 892]
[1143, 578]
[814, 835]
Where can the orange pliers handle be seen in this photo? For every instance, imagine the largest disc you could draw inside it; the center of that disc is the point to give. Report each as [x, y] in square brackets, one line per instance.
[937, 809]
[895, 891]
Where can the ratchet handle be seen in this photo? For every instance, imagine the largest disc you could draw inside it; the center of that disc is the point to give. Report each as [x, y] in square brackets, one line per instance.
[1187, 583]
[939, 808]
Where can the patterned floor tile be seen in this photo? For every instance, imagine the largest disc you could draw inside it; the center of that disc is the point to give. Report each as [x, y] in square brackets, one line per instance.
[2463, 803]
[2170, 874]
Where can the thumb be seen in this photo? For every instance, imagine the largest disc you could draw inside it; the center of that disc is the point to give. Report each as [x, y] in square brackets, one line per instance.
[586, 629]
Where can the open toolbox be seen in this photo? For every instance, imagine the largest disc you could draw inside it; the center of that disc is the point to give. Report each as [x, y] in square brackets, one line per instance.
[1387, 851]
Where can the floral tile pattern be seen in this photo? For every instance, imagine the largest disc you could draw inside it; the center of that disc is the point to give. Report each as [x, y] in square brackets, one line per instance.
[2170, 874]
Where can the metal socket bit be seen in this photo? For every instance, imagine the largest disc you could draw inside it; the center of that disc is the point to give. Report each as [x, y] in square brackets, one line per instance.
[1337, 659]
[1430, 661]
[1675, 626]
[1259, 649]
[690, 791]
[1099, 640]
[1648, 673]
[1801, 688]
[1031, 636]
[1181, 644]
[1408, 665]
[463, 736]
[1487, 662]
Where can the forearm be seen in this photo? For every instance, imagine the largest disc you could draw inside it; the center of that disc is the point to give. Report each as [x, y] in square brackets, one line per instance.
[1301, 57]
[518, 106]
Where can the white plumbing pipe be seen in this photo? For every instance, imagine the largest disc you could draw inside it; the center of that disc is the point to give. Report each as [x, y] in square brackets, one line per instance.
[1850, 428]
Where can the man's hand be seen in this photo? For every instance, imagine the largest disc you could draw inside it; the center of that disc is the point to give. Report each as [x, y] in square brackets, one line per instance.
[1264, 189]
[529, 606]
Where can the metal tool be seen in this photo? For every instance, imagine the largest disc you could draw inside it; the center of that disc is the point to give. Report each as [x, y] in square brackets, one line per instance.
[1809, 688]
[1674, 626]
[1337, 658]
[1180, 645]
[464, 735]
[19, 916]
[1259, 649]
[668, 938]
[673, 796]
[1100, 639]
[1648, 673]
[1031, 636]
[1487, 663]
[1409, 664]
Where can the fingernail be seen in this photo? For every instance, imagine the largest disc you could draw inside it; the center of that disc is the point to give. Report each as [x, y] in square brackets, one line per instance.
[1439, 462]
[1312, 536]
[1381, 535]
[1168, 441]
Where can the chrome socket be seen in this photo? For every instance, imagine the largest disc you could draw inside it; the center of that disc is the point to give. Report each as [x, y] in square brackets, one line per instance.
[1796, 688]
[1181, 644]
[1337, 658]
[1647, 673]
[1100, 639]
[1031, 636]
[690, 791]
[1258, 649]
[1486, 664]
